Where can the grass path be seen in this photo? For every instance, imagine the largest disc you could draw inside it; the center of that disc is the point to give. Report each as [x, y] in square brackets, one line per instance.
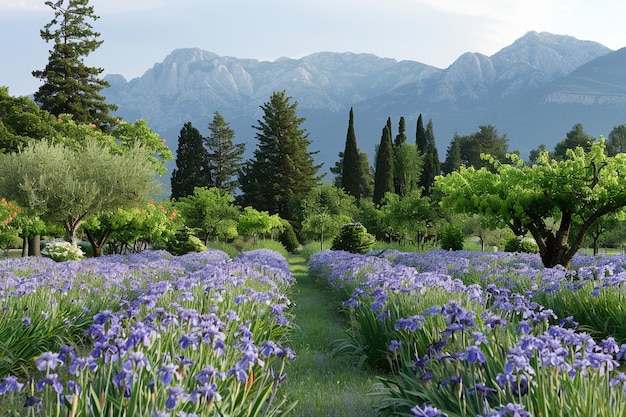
[324, 385]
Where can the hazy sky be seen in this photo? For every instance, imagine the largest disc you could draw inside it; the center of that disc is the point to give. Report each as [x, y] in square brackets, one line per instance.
[139, 33]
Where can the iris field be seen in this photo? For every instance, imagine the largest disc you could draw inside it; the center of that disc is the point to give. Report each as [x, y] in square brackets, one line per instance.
[448, 333]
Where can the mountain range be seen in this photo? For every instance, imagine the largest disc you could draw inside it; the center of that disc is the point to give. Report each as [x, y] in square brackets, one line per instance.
[534, 91]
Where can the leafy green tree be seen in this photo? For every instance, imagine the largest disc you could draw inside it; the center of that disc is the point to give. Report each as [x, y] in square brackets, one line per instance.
[129, 229]
[366, 185]
[324, 210]
[211, 212]
[70, 86]
[225, 157]
[575, 138]
[410, 218]
[65, 185]
[383, 177]
[192, 163]
[351, 167]
[557, 202]
[534, 153]
[616, 142]
[21, 120]
[253, 222]
[408, 168]
[431, 164]
[282, 165]
[124, 137]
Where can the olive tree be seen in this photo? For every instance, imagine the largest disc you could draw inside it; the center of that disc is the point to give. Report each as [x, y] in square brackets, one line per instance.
[556, 201]
[65, 185]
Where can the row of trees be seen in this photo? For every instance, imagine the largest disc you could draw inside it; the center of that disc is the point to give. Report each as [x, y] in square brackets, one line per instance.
[68, 163]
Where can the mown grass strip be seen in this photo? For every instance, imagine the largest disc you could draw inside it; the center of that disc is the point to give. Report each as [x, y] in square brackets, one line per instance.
[323, 384]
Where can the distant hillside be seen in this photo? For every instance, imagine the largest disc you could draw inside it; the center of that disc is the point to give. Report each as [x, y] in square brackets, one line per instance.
[534, 90]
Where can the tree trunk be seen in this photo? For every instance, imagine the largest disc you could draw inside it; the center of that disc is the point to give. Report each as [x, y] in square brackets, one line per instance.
[24, 246]
[34, 248]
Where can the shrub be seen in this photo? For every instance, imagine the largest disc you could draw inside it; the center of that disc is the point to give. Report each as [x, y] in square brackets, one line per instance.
[61, 251]
[353, 238]
[184, 242]
[288, 237]
[452, 237]
[518, 244]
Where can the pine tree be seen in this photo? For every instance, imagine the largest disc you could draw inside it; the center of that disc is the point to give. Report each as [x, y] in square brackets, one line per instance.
[282, 165]
[192, 169]
[432, 166]
[453, 156]
[383, 177]
[224, 157]
[351, 168]
[367, 177]
[70, 86]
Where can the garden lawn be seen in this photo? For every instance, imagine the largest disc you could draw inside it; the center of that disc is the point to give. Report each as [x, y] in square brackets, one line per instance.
[324, 384]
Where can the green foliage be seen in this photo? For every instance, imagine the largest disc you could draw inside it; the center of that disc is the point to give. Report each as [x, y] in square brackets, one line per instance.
[324, 209]
[253, 222]
[383, 177]
[573, 193]
[21, 120]
[65, 185]
[282, 165]
[69, 85]
[351, 168]
[288, 238]
[192, 170]
[452, 237]
[407, 168]
[225, 157]
[575, 138]
[353, 238]
[471, 147]
[210, 212]
[184, 242]
[519, 244]
[431, 164]
[61, 251]
[409, 218]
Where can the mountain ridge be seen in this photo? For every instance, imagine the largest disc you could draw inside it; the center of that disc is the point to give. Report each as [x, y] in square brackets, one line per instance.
[522, 90]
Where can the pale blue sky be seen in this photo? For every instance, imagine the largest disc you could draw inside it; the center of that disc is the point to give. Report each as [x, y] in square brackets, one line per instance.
[139, 33]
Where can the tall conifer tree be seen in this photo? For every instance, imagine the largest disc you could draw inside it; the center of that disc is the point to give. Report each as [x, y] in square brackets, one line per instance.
[420, 135]
[432, 165]
[351, 169]
[401, 136]
[224, 157]
[282, 165]
[69, 85]
[383, 177]
[192, 168]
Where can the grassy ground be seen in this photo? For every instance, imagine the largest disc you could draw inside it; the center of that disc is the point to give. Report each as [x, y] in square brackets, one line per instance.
[324, 385]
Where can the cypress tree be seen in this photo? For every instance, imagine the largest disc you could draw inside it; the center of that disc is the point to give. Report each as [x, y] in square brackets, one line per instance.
[192, 168]
[70, 86]
[401, 136]
[282, 166]
[432, 166]
[420, 136]
[383, 177]
[351, 168]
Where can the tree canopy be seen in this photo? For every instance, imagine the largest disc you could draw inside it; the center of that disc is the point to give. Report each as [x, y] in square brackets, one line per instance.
[192, 163]
[224, 156]
[64, 185]
[556, 201]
